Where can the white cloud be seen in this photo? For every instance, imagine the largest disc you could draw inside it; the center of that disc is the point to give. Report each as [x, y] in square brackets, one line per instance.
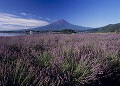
[48, 18]
[9, 21]
[29, 14]
[24, 14]
[40, 17]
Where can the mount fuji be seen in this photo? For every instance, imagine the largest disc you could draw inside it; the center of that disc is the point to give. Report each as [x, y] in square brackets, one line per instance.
[60, 25]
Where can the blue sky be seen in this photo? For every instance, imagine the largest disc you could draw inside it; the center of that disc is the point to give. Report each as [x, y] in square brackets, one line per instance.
[23, 14]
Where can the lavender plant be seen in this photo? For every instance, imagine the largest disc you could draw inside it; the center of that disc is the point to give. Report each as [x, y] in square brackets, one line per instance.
[60, 60]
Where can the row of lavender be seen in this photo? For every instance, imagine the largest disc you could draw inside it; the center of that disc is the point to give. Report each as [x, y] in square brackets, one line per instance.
[60, 60]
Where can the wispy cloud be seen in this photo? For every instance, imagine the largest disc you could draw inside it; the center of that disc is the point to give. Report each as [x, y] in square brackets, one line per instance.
[24, 14]
[48, 18]
[40, 17]
[9, 21]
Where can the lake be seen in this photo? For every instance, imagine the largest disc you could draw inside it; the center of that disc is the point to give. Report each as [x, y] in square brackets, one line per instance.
[12, 34]
[17, 34]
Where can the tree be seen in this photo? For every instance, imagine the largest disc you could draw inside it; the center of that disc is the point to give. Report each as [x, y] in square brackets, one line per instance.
[67, 31]
[117, 31]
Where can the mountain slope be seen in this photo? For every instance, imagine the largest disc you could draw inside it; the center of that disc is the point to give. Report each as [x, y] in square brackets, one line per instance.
[60, 25]
[94, 30]
[110, 28]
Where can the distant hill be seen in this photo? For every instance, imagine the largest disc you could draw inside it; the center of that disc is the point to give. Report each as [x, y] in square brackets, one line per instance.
[60, 25]
[110, 28]
[93, 30]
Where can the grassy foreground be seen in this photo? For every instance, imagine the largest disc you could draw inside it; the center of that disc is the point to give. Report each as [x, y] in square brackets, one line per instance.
[60, 60]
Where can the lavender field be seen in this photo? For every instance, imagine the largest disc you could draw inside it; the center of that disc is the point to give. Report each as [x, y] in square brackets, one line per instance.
[60, 60]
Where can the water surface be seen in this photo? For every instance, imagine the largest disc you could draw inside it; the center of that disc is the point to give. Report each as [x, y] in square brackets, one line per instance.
[12, 34]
